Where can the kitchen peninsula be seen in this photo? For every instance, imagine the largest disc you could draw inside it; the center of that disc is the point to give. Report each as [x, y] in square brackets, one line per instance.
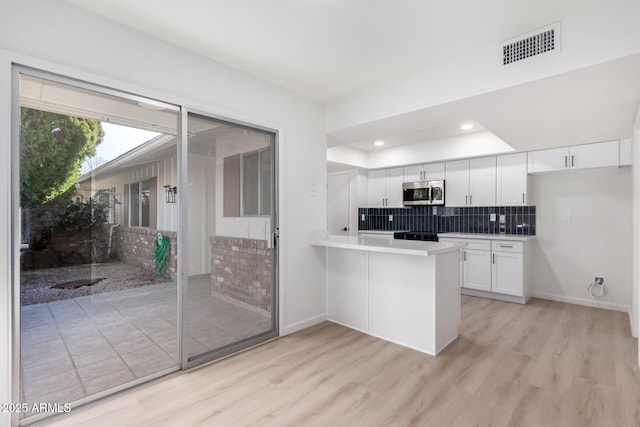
[402, 291]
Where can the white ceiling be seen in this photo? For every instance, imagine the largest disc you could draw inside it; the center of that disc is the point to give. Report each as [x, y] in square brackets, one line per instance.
[593, 104]
[325, 49]
[328, 48]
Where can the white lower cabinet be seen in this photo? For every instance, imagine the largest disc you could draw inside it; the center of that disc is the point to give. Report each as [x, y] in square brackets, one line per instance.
[507, 273]
[494, 268]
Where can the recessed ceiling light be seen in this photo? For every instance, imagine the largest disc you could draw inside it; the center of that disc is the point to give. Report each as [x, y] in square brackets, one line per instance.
[466, 126]
[379, 143]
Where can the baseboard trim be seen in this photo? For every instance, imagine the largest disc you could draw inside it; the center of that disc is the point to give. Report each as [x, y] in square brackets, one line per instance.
[493, 295]
[582, 301]
[303, 324]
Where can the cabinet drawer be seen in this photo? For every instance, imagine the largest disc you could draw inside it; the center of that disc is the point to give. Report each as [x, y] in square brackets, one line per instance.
[506, 246]
[481, 245]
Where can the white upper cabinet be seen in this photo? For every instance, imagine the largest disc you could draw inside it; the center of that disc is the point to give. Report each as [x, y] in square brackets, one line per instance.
[457, 183]
[426, 172]
[482, 181]
[471, 182]
[511, 180]
[394, 187]
[385, 187]
[377, 188]
[434, 171]
[413, 173]
[551, 160]
[598, 155]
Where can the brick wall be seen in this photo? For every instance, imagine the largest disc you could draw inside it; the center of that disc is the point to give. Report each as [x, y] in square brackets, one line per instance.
[241, 269]
[135, 246]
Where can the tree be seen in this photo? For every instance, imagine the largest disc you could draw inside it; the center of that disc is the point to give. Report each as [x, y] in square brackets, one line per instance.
[52, 147]
[90, 163]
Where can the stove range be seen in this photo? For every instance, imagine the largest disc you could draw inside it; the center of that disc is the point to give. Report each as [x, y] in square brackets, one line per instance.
[416, 235]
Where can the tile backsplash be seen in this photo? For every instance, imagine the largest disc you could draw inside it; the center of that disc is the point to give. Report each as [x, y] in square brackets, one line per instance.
[440, 219]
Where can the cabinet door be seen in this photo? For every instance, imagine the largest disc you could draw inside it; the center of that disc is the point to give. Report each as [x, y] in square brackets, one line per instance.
[511, 180]
[413, 173]
[477, 269]
[394, 180]
[507, 273]
[555, 159]
[457, 183]
[434, 171]
[482, 181]
[599, 155]
[376, 188]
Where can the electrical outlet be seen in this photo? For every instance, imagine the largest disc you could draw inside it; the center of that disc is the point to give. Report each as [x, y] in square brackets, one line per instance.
[362, 217]
[390, 217]
[492, 217]
[600, 280]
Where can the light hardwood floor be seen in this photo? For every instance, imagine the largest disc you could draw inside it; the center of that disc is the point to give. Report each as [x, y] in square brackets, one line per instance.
[541, 364]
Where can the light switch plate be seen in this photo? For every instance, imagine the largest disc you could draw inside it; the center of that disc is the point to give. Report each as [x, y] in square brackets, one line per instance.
[390, 217]
[492, 217]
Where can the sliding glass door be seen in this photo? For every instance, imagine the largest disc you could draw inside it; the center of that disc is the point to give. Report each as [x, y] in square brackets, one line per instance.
[229, 293]
[143, 240]
[96, 291]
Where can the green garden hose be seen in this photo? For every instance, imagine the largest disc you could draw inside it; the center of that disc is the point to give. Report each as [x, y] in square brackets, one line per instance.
[161, 252]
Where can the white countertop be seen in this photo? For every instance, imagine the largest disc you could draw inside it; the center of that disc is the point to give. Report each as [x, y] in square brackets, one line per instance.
[487, 236]
[405, 247]
[384, 232]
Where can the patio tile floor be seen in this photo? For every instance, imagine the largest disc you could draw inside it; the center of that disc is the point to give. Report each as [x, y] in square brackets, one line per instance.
[74, 348]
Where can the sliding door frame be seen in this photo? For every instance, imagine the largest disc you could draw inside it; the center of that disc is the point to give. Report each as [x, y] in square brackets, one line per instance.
[16, 72]
[17, 69]
[215, 354]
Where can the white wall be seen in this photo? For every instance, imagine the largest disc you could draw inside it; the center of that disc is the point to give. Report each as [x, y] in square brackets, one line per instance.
[595, 241]
[348, 156]
[56, 36]
[607, 31]
[635, 306]
[475, 144]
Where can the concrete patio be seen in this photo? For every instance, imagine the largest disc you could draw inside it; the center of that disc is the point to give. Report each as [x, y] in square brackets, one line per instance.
[75, 348]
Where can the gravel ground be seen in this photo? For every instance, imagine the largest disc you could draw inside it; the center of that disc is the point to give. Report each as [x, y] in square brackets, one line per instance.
[35, 285]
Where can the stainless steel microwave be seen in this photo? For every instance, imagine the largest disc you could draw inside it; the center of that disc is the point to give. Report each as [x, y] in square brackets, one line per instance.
[423, 193]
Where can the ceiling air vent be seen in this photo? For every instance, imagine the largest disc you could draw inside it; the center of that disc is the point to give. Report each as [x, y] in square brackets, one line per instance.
[537, 42]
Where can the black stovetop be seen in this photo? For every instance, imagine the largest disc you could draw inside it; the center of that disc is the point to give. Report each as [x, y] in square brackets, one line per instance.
[416, 235]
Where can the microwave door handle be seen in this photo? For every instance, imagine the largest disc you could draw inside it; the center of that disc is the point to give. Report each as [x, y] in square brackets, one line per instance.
[429, 194]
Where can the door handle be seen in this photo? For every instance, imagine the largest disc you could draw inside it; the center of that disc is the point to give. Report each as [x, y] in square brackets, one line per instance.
[464, 255]
[572, 160]
[523, 198]
[471, 199]
[493, 258]
[345, 229]
[466, 199]
[565, 162]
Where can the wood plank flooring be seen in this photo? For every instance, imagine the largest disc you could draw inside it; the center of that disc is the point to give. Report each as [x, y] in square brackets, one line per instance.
[541, 364]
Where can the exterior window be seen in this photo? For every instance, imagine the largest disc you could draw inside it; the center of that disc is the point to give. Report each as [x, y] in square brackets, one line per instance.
[108, 200]
[256, 183]
[139, 204]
